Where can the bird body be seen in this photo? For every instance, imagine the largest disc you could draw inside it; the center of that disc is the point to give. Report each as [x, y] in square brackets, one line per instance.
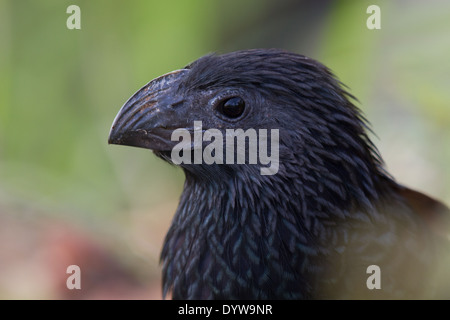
[314, 228]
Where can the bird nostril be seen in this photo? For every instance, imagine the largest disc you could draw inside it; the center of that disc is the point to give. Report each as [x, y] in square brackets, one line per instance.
[177, 103]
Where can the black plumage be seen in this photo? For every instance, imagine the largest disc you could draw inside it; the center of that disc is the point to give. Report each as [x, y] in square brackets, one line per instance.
[312, 229]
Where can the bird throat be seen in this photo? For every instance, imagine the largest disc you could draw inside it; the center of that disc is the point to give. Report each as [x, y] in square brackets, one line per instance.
[241, 239]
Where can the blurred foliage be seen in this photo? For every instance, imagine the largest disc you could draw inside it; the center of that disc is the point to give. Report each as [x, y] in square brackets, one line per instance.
[60, 90]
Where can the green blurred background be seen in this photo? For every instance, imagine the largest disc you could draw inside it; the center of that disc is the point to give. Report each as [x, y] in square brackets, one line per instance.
[67, 197]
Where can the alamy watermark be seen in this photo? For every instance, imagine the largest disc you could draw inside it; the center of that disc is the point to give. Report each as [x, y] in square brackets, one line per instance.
[74, 20]
[241, 147]
[74, 280]
[373, 22]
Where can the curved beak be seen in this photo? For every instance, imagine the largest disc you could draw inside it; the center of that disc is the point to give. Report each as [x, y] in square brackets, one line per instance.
[148, 118]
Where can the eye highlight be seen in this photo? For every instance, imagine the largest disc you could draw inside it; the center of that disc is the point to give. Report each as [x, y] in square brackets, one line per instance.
[232, 107]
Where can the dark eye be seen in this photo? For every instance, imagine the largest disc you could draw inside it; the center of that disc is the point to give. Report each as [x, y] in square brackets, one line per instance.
[232, 107]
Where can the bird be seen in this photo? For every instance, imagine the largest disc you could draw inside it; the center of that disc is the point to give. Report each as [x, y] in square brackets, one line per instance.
[329, 223]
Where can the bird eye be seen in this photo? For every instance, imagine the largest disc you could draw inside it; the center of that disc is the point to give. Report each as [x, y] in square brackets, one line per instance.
[232, 107]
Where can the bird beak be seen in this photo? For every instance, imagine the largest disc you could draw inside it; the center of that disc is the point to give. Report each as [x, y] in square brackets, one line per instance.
[148, 118]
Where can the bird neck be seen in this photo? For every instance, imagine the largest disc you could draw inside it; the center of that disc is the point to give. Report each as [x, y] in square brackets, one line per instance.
[246, 199]
[270, 220]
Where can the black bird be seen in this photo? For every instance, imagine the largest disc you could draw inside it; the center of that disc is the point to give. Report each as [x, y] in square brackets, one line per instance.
[310, 230]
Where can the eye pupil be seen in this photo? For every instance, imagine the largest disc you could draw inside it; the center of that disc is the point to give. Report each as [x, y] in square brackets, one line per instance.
[233, 107]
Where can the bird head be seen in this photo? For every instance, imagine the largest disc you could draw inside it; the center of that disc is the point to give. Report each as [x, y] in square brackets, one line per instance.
[319, 128]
